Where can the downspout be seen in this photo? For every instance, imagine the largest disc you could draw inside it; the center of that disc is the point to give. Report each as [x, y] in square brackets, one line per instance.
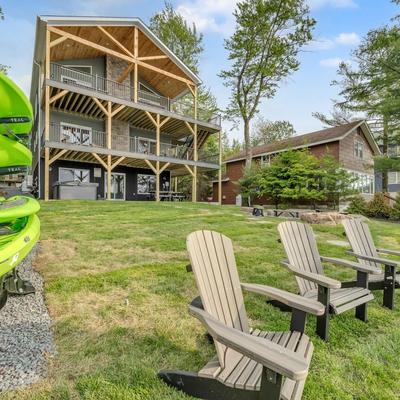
[39, 130]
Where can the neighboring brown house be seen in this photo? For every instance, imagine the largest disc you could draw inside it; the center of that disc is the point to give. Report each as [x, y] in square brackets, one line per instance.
[351, 144]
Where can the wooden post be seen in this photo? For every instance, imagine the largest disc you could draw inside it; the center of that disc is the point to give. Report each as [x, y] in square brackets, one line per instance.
[176, 184]
[195, 102]
[195, 154]
[135, 71]
[158, 162]
[109, 145]
[47, 121]
[220, 169]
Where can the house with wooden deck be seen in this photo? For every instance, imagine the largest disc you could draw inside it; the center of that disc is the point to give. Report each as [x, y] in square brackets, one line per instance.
[115, 109]
[352, 145]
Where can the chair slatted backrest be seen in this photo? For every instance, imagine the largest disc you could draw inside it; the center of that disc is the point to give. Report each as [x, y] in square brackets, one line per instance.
[360, 238]
[214, 266]
[302, 252]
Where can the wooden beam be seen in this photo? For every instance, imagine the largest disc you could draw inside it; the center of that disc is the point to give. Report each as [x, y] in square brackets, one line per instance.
[136, 42]
[98, 158]
[90, 44]
[189, 127]
[115, 41]
[195, 102]
[57, 41]
[57, 156]
[109, 125]
[125, 73]
[102, 108]
[151, 118]
[117, 54]
[190, 88]
[117, 110]
[151, 166]
[164, 167]
[135, 71]
[148, 58]
[117, 162]
[109, 177]
[164, 121]
[46, 173]
[190, 171]
[220, 169]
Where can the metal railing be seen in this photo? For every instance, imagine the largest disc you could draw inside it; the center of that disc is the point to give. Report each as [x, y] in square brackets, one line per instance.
[93, 138]
[122, 91]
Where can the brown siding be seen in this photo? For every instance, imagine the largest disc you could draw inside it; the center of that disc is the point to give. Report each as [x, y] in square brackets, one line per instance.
[347, 157]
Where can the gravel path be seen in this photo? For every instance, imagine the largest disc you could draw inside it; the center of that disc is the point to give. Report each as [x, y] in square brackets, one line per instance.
[26, 339]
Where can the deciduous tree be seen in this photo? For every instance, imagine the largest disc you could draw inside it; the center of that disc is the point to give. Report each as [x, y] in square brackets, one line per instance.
[266, 131]
[263, 52]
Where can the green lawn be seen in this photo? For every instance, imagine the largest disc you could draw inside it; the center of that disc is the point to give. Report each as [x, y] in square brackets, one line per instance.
[118, 290]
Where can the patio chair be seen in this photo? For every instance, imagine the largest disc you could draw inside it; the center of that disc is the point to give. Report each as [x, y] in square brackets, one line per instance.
[250, 364]
[363, 248]
[305, 262]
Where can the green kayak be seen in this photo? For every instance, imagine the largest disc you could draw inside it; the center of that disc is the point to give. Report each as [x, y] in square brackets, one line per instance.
[14, 156]
[16, 241]
[16, 114]
[17, 207]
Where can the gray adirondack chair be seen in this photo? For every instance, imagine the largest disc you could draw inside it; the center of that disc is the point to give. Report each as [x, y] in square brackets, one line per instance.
[363, 248]
[305, 262]
[250, 364]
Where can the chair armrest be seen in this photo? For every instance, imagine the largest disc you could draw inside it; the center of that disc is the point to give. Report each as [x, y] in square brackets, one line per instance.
[290, 299]
[379, 260]
[387, 251]
[354, 265]
[272, 356]
[321, 280]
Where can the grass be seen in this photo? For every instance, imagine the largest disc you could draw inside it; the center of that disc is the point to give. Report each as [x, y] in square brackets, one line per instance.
[117, 289]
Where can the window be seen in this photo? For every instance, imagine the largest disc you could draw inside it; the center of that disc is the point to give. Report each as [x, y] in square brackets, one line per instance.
[80, 75]
[393, 178]
[394, 151]
[265, 160]
[146, 184]
[359, 149]
[73, 175]
[75, 134]
[146, 146]
[364, 183]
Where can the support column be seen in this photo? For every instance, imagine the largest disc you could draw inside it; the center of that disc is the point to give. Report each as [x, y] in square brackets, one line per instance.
[195, 156]
[47, 121]
[220, 169]
[109, 146]
[135, 70]
[158, 155]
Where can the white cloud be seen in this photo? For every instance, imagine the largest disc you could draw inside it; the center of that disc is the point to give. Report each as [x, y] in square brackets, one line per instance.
[210, 15]
[343, 39]
[333, 62]
[314, 4]
[348, 39]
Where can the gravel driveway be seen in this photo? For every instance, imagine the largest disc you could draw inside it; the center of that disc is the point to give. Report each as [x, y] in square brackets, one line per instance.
[26, 340]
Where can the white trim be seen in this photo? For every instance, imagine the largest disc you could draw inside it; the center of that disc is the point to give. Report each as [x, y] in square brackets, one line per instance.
[105, 184]
[363, 173]
[72, 66]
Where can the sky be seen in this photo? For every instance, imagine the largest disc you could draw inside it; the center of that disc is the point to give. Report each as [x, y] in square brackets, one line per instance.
[341, 24]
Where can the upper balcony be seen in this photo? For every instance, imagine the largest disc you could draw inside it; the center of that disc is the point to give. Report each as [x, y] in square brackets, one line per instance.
[101, 85]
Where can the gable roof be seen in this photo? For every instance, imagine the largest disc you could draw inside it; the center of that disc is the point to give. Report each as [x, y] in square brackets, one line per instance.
[61, 20]
[310, 139]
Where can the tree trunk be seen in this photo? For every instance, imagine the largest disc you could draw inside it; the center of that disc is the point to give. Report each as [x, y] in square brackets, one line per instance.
[247, 143]
[385, 145]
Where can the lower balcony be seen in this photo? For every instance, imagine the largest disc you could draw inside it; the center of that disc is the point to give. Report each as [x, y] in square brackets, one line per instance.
[136, 145]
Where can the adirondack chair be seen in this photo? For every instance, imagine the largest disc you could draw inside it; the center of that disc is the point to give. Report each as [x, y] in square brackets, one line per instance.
[363, 248]
[305, 262]
[250, 364]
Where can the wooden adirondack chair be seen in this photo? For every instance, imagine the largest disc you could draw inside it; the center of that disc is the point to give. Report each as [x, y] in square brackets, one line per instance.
[305, 262]
[363, 248]
[250, 364]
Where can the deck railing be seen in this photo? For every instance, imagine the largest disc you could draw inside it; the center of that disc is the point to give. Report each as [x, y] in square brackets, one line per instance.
[122, 91]
[95, 138]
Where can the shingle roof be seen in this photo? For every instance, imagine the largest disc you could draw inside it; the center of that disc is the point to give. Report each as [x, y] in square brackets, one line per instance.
[312, 138]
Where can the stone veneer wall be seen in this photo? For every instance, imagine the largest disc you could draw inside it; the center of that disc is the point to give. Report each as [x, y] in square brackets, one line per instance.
[114, 68]
[120, 135]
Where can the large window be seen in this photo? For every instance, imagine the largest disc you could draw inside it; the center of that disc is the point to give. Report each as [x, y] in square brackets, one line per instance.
[146, 184]
[76, 134]
[364, 182]
[359, 149]
[146, 146]
[73, 175]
